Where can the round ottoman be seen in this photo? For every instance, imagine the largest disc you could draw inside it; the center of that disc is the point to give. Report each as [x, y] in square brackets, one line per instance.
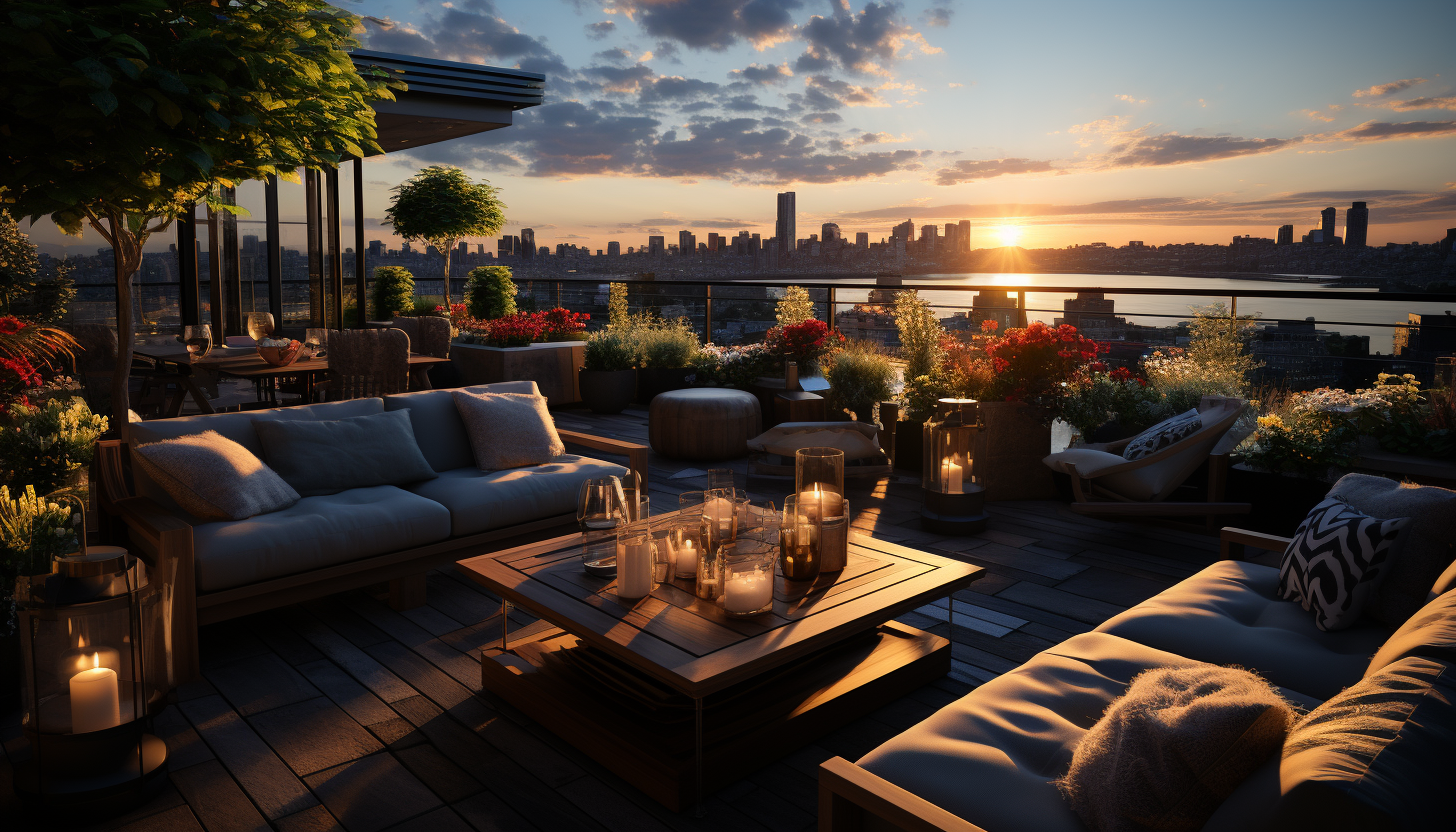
[703, 423]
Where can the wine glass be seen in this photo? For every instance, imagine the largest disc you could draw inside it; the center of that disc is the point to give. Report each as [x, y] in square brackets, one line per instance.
[315, 341]
[198, 339]
[260, 325]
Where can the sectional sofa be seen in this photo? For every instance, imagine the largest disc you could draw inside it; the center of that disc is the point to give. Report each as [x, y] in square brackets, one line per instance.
[330, 543]
[989, 761]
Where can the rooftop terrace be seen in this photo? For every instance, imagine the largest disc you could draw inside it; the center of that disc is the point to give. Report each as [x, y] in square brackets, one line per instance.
[344, 714]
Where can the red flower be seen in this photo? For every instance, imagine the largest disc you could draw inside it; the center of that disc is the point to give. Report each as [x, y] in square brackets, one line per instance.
[9, 325]
[1123, 374]
[989, 326]
[803, 342]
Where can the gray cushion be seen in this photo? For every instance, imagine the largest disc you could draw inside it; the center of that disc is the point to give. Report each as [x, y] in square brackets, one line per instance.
[1228, 614]
[437, 424]
[328, 457]
[314, 533]
[1430, 633]
[508, 430]
[1163, 434]
[1430, 543]
[993, 756]
[213, 477]
[235, 426]
[480, 501]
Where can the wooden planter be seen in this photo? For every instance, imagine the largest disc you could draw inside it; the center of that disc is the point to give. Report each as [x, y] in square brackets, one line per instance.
[553, 366]
[654, 380]
[1009, 452]
[607, 391]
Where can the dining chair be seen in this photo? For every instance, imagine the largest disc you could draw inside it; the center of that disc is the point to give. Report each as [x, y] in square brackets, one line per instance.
[367, 362]
[429, 335]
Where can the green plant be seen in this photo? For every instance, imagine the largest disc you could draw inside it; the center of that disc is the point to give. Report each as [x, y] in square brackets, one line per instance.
[923, 392]
[608, 351]
[794, 307]
[667, 345]
[920, 333]
[123, 115]
[33, 531]
[41, 445]
[429, 306]
[392, 292]
[859, 378]
[490, 293]
[23, 292]
[440, 205]
[619, 313]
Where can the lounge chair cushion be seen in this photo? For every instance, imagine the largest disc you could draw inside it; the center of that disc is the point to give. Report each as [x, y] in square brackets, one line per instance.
[1336, 560]
[1163, 434]
[314, 533]
[332, 456]
[1228, 614]
[438, 428]
[1430, 633]
[480, 501]
[993, 756]
[858, 440]
[1429, 548]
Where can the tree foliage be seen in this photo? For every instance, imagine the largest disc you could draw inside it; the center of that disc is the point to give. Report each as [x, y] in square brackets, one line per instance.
[920, 334]
[441, 206]
[393, 292]
[24, 291]
[794, 307]
[490, 293]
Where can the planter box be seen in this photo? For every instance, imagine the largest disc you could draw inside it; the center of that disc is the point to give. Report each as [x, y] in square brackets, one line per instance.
[1009, 452]
[1280, 501]
[553, 366]
[654, 380]
[607, 391]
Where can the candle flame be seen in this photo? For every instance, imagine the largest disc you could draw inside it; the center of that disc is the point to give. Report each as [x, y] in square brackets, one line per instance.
[95, 660]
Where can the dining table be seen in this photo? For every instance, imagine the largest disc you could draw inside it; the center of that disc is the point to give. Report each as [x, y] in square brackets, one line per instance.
[238, 362]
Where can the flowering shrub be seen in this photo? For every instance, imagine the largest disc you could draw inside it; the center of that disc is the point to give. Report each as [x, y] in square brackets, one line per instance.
[1032, 362]
[42, 445]
[732, 366]
[33, 531]
[1098, 396]
[520, 329]
[17, 377]
[804, 343]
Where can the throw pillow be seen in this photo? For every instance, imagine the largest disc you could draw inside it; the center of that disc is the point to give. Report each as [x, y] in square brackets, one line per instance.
[212, 477]
[1335, 562]
[326, 457]
[1375, 756]
[1171, 749]
[1430, 544]
[508, 430]
[1163, 434]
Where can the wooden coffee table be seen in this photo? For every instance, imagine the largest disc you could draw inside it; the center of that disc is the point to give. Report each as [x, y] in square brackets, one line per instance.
[677, 697]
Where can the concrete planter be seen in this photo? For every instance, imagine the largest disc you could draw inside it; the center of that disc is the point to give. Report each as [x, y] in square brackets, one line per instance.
[1009, 452]
[553, 366]
[608, 391]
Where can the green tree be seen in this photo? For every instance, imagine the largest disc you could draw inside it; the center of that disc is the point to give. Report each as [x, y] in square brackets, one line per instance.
[24, 291]
[122, 115]
[490, 293]
[794, 307]
[440, 205]
[920, 334]
[393, 292]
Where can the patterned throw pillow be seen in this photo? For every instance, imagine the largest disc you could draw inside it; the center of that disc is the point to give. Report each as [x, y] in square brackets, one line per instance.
[1163, 434]
[1336, 561]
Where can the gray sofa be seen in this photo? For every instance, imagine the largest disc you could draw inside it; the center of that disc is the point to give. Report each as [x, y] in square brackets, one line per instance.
[361, 536]
[989, 761]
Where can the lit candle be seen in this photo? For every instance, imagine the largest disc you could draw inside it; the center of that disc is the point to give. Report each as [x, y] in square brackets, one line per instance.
[819, 503]
[952, 476]
[687, 559]
[634, 569]
[748, 592]
[95, 699]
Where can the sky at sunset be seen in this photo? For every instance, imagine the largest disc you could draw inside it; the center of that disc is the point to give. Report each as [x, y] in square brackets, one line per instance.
[1163, 122]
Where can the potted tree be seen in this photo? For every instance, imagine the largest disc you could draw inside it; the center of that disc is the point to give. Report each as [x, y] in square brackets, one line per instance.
[608, 380]
[920, 346]
[440, 205]
[393, 292]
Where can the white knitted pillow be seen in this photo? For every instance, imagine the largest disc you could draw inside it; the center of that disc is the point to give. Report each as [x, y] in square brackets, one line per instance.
[508, 430]
[212, 477]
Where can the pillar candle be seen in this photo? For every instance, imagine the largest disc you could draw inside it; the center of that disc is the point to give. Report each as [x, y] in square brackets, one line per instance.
[95, 699]
[747, 592]
[687, 559]
[634, 569]
[952, 476]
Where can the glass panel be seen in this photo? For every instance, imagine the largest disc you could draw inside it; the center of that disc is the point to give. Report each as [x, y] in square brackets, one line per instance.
[253, 247]
[293, 240]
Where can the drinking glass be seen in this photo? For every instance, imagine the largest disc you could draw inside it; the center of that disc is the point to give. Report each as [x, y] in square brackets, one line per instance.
[316, 341]
[720, 479]
[600, 504]
[635, 561]
[198, 339]
[260, 325]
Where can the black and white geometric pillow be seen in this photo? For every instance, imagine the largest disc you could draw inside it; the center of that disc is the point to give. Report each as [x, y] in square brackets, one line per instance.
[1163, 434]
[1336, 561]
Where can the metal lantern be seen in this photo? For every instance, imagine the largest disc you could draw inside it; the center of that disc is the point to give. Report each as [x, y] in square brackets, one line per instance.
[954, 501]
[97, 668]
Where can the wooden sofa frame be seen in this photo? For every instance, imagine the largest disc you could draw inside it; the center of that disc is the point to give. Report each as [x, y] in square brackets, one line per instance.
[163, 540]
[852, 799]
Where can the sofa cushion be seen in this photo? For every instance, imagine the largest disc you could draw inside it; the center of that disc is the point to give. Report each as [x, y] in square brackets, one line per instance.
[1430, 633]
[508, 430]
[213, 477]
[235, 426]
[1336, 560]
[1228, 614]
[439, 431]
[480, 501]
[328, 457]
[994, 755]
[1429, 549]
[313, 533]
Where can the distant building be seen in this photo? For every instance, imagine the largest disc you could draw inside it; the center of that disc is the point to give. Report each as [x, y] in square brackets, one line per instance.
[1296, 356]
[1246, 240]
[1423, 339]
[963, 238]
[785, 228]
[1286, 235]
[715, 242]
[376, 248]
[829, 232]
[463, 249]
[528, 243]
[929, 236]
[862, 240]
[995, 305]
[687, 243]
[1357, 223]
[1447, 243]
[905, 231]
[1090, 311]
[1327, 225]
[656, 246]
[614, 249]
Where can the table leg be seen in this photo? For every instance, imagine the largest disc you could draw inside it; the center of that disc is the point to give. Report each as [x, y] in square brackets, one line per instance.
[505, 622]
[698, 755]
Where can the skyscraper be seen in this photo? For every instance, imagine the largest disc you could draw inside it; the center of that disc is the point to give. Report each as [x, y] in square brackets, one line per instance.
[963, 239]
[1357, 223]
[656, 246]
[614, 249]
[715, 242]
[905, 231]
[862, 240]
[829, 232]
[1286, 235]
[1327, 225]
[785, 229]
[687, 244]
[929, 236]
[528, 243]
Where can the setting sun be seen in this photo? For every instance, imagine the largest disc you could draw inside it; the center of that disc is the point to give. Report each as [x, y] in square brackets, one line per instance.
[1009, 235]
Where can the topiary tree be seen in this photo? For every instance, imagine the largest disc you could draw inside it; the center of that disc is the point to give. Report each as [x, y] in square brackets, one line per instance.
[490, 293]
[121, 114]
[794, 307]
[440, 205]
[393, 292]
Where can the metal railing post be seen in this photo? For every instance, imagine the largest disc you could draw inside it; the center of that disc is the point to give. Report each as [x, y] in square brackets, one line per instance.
[708, 312]
[831, 309]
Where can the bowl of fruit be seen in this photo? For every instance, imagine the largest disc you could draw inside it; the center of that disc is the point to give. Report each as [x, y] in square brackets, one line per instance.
[279, 352]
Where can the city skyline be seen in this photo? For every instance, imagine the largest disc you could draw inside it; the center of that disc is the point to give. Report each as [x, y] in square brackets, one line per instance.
[1125, 122]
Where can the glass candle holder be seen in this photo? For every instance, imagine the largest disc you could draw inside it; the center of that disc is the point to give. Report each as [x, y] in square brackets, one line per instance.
[635, 561]
[819, 469]
[599, 553]
[198, 340]
[798, 544]
[720, 518]
[748, 577]
[685, 545]
[721, 479]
